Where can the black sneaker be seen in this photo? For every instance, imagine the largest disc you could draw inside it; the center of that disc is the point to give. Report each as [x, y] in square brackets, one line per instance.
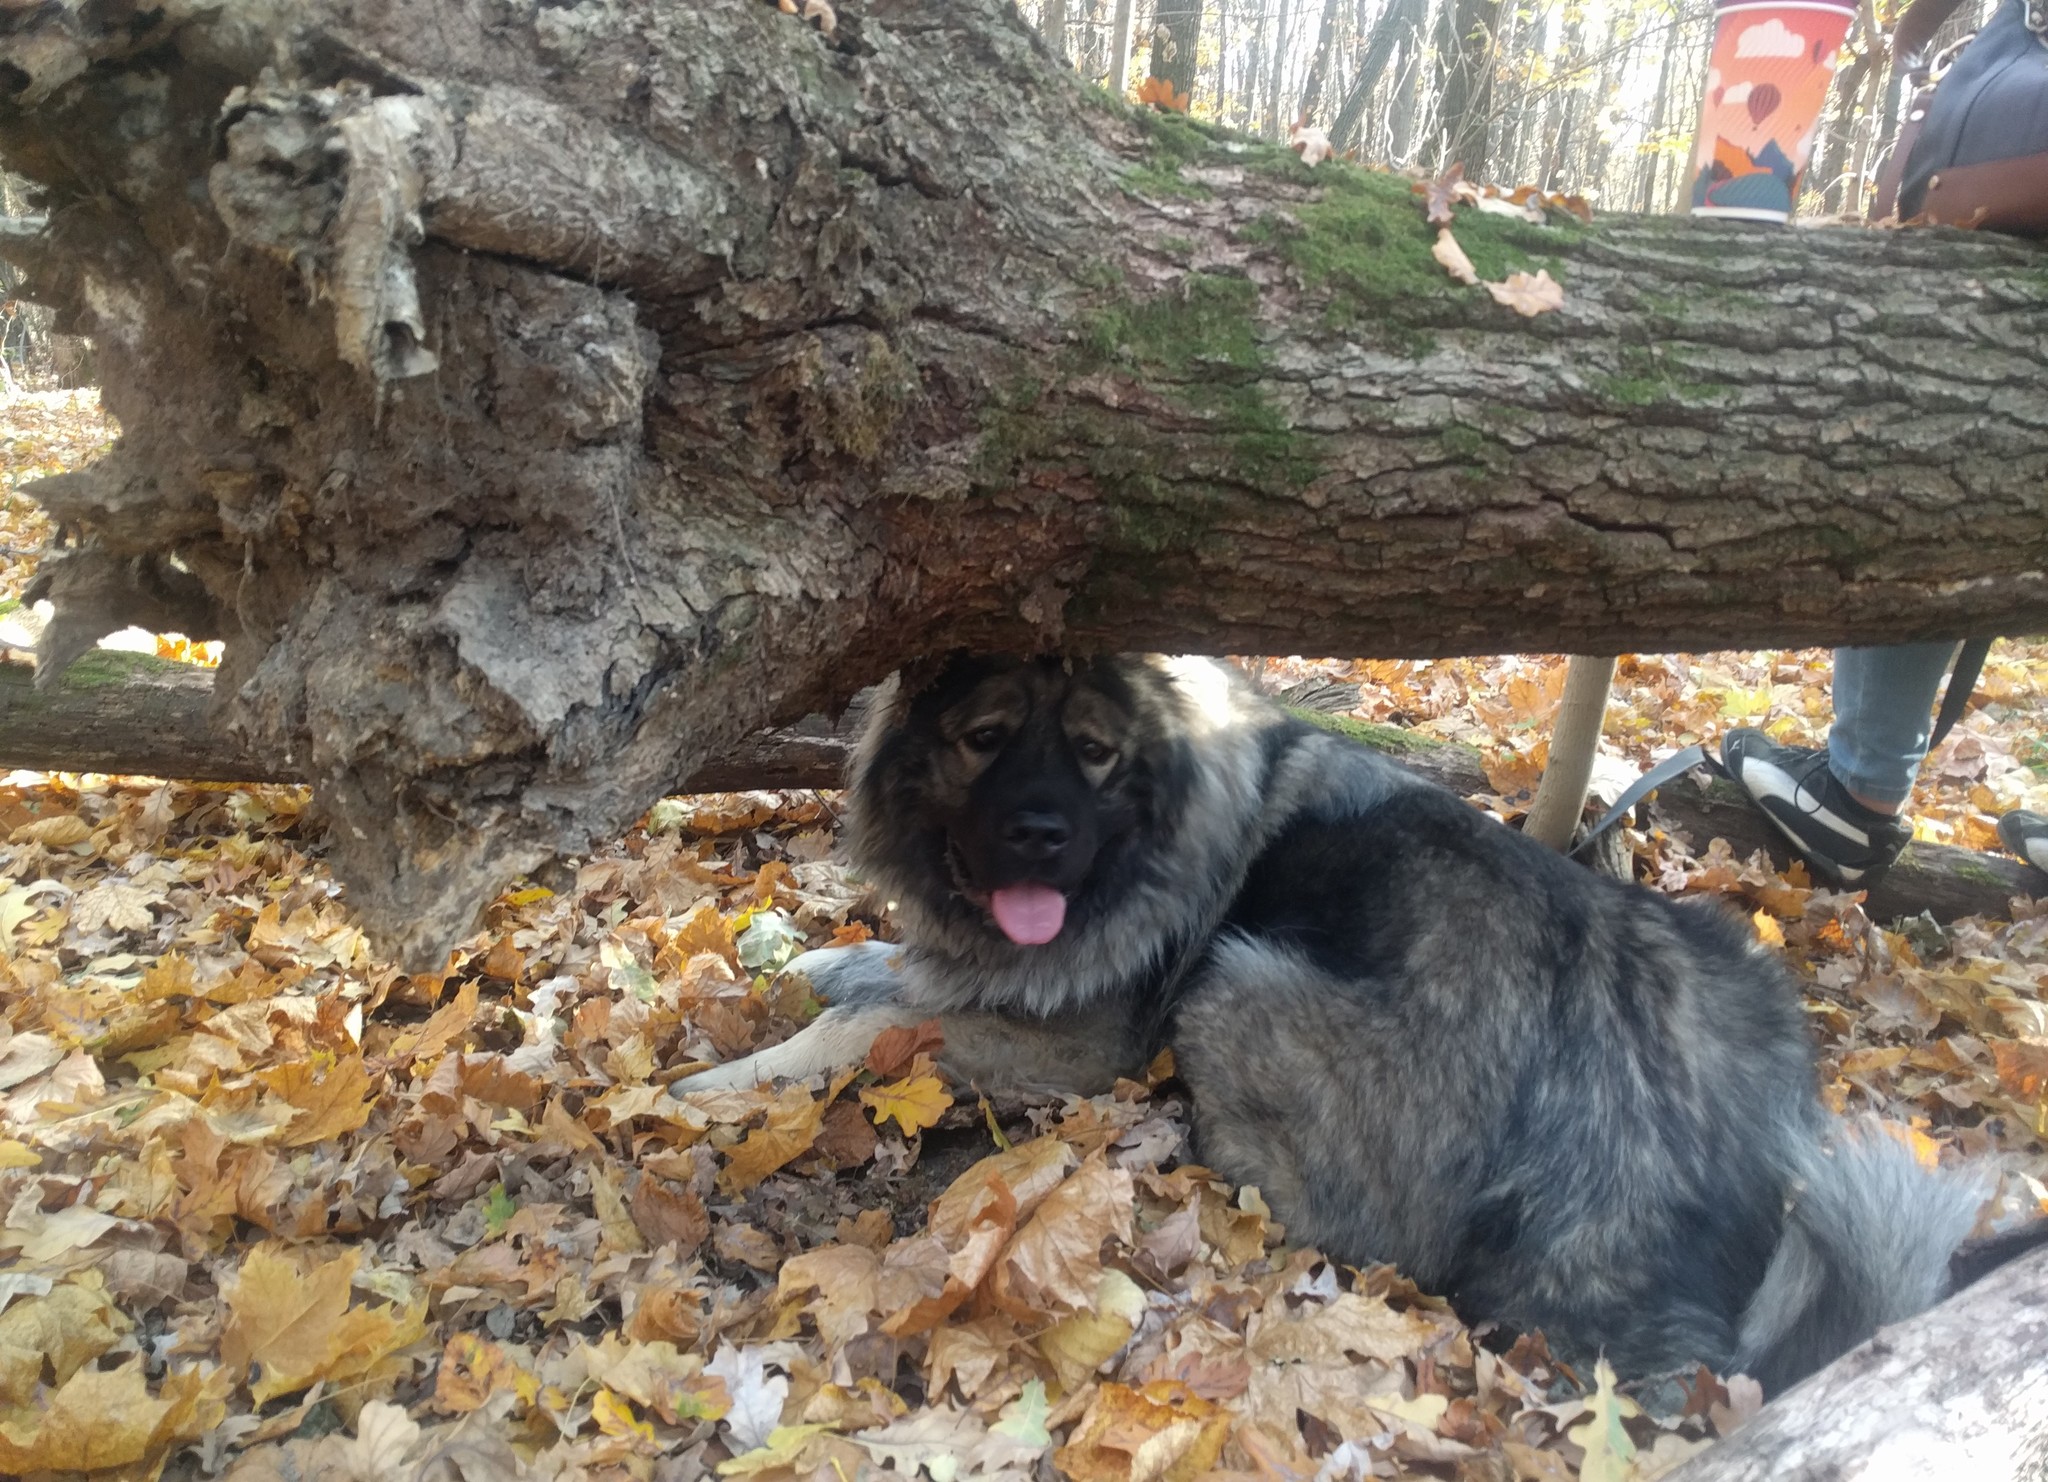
[1847, 843]
[2025, 834]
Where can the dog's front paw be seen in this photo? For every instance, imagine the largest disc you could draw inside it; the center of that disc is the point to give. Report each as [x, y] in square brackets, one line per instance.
[734, 1075]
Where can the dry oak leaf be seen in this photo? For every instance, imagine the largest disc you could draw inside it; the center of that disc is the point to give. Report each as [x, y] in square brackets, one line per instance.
[98, 1420]
[1162, 1431]
[1057, 1256]
[668, 1216]
[916, 1102]
[1452, 256]
[60, 832]
[442, 1027]
[794, 1120]
[1310, 142]
[1160, 94]
[328, 1101]
[1441, 195]
[1529, 296]
[295, 1321]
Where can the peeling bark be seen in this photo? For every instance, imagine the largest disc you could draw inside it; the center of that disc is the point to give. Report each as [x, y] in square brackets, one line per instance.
[546, 398]
[1957, 1392]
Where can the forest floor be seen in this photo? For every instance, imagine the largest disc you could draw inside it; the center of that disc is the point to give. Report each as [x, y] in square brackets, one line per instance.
[270, 1207]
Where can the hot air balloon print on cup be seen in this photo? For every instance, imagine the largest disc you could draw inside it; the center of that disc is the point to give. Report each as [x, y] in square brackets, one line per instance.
[1766, 80]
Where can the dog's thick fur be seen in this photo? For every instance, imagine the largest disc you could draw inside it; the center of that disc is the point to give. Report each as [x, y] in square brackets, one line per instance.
[1565, 1102]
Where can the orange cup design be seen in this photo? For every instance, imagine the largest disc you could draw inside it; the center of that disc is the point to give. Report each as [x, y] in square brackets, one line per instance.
[1766, 80]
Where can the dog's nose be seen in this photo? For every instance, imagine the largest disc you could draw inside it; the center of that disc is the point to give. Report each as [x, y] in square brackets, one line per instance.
[1036, 836]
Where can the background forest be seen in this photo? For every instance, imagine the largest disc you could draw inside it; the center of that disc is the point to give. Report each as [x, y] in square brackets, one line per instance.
[273, 1207]
[1599, 99]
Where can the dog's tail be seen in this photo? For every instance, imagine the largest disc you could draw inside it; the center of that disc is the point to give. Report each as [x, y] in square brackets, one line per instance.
[1866, 1242]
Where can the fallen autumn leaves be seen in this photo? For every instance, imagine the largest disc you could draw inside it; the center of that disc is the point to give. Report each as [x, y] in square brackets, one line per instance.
[271, 1209]
[261, 1190]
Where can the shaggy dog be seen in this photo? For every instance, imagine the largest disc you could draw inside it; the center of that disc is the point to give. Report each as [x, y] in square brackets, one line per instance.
[1565, 1102]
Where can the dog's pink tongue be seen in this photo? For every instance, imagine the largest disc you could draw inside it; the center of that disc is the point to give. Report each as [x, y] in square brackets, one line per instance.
[1030, 915]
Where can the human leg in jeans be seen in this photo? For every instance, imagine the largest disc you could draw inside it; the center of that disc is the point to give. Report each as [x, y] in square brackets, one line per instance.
[1839, 807]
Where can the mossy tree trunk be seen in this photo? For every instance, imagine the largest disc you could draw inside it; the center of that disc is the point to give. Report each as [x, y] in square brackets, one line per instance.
[542, 401]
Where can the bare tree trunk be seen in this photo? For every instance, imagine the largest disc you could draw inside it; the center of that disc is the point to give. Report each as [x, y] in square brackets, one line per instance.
[1176, 34]
[1120, 49]
[1465, 60]
[1277, 81]
[631, 407]
[1054, 26]
[1646, 195]
[1958, 1392]
[1574, 743]
[1401, 116]
[1400, 18]
[1319, 64]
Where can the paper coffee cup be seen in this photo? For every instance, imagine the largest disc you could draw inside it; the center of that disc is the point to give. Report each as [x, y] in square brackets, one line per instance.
[1767, 78]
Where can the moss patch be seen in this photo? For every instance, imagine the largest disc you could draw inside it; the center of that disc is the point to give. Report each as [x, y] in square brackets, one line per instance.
[1367, 245]
[1650, 378]
[1393, 739]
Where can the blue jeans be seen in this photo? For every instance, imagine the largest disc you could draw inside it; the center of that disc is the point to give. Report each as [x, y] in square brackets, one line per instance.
[1884, 699]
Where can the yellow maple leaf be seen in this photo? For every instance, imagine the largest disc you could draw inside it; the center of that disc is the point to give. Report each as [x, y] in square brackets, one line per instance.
[67, 1327]
[1177, 1434]
[440, 1030]
[794, 1120]
[97, 1420]
[329, 1102]
[616, 1419]
[916, 1102]
[296, 1322]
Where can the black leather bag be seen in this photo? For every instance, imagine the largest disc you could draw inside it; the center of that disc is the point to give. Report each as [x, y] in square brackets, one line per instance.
[1973, 151]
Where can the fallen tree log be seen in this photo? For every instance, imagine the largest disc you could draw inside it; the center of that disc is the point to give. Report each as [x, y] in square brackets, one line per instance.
[123, 713]
[1959, 1392]
[544, 400]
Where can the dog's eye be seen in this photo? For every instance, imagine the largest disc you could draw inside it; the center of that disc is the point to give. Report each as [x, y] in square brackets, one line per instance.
[1093, 752]
[983, 738]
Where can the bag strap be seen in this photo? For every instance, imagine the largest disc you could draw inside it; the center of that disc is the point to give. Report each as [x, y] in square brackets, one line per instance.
[1961, 681]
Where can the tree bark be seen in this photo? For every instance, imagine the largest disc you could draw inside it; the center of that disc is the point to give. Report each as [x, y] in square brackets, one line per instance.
[1120, 48]
[1958, 1392]
[1276, 70]
[1466, 62]
[545, 405]
[1176, 40]
[1320, 62]
[1053, 26]
[1574, 744]
[1401, 17]
[118, 713]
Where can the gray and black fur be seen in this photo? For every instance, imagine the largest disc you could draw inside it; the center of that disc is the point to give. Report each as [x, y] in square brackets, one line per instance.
[1565, 1102]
